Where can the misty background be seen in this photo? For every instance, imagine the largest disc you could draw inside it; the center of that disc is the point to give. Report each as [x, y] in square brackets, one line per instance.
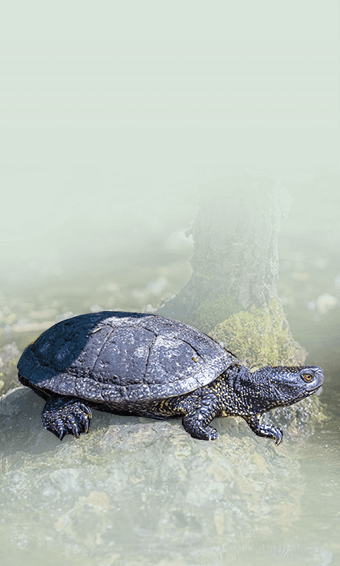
[114, 113]
[118, 119]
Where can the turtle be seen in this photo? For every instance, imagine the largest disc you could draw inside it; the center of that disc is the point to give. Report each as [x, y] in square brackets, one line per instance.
[152, 366]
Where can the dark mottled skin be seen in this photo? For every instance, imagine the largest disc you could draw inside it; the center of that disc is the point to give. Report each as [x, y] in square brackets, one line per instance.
[237, 392]
[53, 369]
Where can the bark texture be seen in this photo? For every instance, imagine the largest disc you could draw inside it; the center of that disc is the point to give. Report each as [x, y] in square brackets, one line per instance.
[235, 260]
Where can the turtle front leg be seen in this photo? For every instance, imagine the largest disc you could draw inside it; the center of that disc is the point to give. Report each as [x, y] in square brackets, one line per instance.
[65, 415]
[262, 430]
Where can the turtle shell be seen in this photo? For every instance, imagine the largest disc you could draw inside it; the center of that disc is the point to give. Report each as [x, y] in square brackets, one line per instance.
[122, 357]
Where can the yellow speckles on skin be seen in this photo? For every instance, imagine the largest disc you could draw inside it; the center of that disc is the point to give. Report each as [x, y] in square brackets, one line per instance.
[195, 359]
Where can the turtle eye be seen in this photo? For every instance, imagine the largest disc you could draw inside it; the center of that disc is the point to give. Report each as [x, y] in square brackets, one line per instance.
[307, 377]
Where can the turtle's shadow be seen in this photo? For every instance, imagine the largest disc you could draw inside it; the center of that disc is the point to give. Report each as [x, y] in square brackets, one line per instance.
[22, 432]
[22, 429]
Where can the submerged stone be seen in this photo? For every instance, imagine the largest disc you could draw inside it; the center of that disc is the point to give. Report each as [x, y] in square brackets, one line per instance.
[133, 479]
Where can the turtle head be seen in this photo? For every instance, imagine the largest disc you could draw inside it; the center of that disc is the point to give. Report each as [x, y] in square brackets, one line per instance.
[280, 386]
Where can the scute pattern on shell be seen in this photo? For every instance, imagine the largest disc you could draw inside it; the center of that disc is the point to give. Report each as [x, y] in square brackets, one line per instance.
[123, 357]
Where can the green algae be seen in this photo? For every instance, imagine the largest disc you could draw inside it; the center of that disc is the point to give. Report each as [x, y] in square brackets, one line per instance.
[213, 311]
[260, 336]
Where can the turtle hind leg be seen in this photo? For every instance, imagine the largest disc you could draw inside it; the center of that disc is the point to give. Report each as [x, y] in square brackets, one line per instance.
[196, 423]
[66, 416]
[198, 409]
[197, 430]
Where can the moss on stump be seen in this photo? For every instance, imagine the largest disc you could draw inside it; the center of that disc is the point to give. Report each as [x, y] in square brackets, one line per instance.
[260, 336]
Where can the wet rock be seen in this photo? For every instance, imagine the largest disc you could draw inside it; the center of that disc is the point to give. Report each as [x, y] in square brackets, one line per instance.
[11, 402]
[130, 431]
[66, 479]
[140, 483]
[9, 356]
[20, 423]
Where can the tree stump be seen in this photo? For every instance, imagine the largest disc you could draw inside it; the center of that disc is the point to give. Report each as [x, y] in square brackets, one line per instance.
[232, 294]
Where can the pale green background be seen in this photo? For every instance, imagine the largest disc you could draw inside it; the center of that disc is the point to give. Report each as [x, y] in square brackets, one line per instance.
[169, 65]
[113, 112]
[112, 115]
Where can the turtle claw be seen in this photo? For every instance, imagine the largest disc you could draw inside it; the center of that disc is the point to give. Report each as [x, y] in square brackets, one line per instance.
[75, 431]
[279, 436]
[212, 432]
[264, 430]
[85, 409]
[59, 429]
[85, 422]
[61, 434]
[66, 416]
